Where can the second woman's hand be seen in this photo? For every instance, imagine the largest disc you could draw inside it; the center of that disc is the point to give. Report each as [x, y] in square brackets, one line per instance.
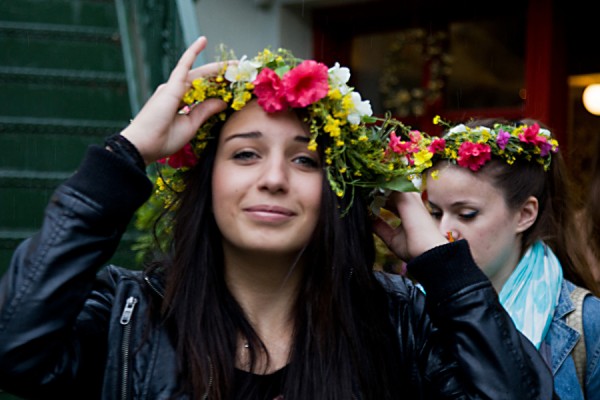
[416, 234]
[159, 130]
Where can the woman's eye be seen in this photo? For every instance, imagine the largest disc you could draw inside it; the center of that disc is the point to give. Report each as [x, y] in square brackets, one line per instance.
[469, 215]
[245, 155]
[307, 161]
[435, 213]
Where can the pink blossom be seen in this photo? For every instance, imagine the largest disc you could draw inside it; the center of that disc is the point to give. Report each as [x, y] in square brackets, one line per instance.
[185, 157]
[530, 135]
[473, 155]
[306, 83]
[401, 147]
[268, 90]
[438, 144]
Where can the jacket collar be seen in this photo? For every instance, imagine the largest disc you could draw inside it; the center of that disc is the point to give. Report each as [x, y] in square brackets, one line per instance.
[155, 282]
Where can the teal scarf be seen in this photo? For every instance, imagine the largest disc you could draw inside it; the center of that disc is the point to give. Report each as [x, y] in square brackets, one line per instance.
[531, 292]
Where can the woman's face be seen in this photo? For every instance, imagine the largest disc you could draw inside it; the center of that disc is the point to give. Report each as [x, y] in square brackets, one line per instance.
[267, 185]
[472, 208]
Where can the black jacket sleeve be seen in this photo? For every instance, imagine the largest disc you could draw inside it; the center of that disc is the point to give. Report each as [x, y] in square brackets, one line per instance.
[59, 263]
[465, 344]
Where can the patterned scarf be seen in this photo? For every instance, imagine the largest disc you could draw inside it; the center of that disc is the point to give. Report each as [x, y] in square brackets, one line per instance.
[531, 292]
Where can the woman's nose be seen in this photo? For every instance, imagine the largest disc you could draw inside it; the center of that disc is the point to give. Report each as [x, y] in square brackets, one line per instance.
[274, 177]
[449, 230]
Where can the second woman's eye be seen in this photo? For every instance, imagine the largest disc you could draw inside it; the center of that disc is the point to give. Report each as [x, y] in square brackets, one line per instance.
[435, 214]
[469, 214]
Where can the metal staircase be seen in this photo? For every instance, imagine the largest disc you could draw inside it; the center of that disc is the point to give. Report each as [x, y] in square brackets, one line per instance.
[71, 73]
[62, 87]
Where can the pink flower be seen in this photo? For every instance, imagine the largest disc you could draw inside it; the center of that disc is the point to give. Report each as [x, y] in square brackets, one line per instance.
[306, 83]
[268, 90]
[473, 155]
[401, 147]
[530, 135]
[185, 157]
[502, 139]
[438, 144]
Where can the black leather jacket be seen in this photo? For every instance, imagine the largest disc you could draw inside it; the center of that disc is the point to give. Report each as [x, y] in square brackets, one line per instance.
[67, 331]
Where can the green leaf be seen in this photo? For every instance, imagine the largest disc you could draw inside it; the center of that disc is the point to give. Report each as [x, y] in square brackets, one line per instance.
[282, 70]
[400, 184]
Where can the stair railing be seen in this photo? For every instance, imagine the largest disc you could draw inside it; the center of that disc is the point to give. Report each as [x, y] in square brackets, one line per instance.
[154, 33]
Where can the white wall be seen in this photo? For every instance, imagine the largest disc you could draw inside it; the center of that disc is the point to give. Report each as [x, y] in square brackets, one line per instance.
[244, 26]
[248, 26]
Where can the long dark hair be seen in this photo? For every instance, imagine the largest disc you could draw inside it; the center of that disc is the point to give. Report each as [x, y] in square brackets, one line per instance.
[344, 344]
[556, 222]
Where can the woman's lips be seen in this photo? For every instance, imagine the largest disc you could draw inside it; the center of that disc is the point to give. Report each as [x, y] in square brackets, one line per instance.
[269, 213]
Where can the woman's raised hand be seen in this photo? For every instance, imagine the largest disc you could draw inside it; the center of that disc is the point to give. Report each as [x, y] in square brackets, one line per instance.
[158, 130]
[417, 231]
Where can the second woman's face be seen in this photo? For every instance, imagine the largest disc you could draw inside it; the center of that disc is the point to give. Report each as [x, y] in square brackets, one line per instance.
[266, 183]
[472, 208]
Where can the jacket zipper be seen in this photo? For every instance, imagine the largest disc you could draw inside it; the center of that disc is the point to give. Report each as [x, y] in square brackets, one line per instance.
[154, 289]
[125, 319]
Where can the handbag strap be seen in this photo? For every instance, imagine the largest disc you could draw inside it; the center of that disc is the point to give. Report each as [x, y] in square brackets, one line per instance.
[575, 321]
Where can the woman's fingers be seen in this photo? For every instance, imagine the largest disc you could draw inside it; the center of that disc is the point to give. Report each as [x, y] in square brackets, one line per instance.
[185, 63]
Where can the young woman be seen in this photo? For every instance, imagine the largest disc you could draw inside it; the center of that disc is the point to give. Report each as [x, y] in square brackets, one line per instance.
[267, 291]
[503, 188]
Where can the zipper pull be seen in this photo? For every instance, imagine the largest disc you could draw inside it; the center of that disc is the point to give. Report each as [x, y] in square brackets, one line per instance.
[128, 310]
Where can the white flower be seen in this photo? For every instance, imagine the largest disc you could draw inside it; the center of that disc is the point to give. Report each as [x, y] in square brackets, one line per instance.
[417, 181]
[360, 109]
[338, 76]
[245, 70]
[545, 132]
[458, 129]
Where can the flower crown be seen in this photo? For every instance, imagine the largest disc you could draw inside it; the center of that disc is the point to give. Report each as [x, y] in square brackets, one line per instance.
[361, 151]
[472, 147]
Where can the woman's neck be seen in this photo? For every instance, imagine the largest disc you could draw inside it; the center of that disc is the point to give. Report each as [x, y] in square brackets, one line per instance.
[266, 288]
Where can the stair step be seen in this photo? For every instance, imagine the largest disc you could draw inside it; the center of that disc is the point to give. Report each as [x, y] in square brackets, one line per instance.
[68, 12]
[62, 76]
[77, 33]
[22, 199]
[40, 144]
[54, 100]
[60, 47]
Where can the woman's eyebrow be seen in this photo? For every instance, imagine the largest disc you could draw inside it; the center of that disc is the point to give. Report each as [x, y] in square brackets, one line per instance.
[244, 135]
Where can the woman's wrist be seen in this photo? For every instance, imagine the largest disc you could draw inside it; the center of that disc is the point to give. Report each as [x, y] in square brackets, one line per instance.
[121, 146]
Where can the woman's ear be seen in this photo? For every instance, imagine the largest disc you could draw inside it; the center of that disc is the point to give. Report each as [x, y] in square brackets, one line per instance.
[527, 214]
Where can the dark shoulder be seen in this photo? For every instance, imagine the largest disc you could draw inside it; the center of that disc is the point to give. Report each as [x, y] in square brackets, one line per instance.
[114, 275]
[397, 286]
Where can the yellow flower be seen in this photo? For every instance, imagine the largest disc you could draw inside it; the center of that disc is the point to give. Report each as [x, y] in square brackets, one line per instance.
[436, 120]
[332, 126]
[423, 157]
[335, 94]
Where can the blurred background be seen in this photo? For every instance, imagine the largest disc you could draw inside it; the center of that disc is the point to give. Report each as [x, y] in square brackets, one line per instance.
[75, 71]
